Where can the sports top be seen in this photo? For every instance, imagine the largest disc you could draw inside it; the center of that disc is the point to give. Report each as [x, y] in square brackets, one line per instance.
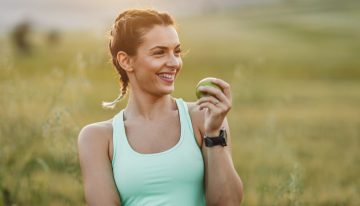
[173, 177]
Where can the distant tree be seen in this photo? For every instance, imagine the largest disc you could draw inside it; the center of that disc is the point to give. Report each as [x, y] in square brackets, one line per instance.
[20, 37]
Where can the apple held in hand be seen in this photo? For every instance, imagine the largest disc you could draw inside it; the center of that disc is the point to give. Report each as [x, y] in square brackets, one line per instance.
[205, 82]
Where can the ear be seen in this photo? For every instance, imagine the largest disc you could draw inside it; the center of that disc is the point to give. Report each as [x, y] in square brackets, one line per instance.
[125, 61]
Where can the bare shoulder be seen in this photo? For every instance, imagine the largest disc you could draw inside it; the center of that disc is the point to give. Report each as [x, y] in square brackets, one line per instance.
[98, 131]
[94, 142]
[96, 136]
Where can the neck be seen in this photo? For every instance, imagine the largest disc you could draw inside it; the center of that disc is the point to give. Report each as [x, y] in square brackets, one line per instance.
[147, 106]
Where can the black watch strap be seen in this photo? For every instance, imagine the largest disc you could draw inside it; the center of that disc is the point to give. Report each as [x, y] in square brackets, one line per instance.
[219, 140]
[213, 141]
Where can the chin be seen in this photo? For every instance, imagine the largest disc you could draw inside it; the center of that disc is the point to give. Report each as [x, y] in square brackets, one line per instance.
[168, 90]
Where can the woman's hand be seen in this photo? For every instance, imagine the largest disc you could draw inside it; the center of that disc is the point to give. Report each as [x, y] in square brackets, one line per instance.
[217, 105]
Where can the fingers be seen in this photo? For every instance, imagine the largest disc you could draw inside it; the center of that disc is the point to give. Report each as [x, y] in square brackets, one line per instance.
[216, 94]
[211, 91]
[209, 105]
[212, 103]
[209, 99]
[224, 85]
[217, 103]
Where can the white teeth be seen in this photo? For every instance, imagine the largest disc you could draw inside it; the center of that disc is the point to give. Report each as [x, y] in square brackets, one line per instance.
[166, 76]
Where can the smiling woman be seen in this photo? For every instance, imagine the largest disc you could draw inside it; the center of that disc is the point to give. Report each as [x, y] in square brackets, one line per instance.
[152, 152]
[127, 36]
[157, 61]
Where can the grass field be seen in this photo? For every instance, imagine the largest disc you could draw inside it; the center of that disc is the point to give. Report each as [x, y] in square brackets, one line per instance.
[295, 123]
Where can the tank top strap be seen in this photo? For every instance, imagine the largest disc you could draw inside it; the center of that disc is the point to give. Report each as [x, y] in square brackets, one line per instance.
[116, 122]
[120, 142]
[184, 112]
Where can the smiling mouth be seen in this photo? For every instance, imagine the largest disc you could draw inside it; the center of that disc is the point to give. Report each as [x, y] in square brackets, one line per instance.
[169, 78]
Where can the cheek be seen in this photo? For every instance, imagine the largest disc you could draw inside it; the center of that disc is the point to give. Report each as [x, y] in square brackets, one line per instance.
[180, 65]
[156, 63]
[151, 64]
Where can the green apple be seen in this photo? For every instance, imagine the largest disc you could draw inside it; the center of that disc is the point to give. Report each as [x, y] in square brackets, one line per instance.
[205, 82]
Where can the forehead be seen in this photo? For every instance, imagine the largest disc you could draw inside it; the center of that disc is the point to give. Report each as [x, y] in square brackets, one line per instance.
[160, 36]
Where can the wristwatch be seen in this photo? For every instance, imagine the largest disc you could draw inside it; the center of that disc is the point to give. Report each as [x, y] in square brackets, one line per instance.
[219, 140]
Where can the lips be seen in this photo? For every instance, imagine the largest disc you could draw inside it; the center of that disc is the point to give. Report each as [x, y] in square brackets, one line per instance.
[167, 77]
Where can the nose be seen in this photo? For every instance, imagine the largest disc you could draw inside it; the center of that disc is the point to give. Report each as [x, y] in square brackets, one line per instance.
[174, 61]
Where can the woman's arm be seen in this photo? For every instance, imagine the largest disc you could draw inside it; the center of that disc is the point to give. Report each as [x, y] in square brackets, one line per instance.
[99, 186]
[223, 185]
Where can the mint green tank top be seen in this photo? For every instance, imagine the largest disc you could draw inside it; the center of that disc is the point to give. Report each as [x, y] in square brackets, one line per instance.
[174, 177]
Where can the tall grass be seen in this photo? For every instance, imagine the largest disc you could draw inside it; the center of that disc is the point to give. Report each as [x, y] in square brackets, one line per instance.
[295, 122]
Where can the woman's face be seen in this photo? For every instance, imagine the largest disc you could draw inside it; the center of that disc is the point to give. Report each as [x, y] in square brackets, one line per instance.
[157, 61]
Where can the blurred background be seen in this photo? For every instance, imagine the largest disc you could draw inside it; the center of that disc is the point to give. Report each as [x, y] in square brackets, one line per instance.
[293, 65]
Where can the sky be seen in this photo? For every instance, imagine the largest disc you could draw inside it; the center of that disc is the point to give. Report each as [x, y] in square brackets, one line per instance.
[85, 14]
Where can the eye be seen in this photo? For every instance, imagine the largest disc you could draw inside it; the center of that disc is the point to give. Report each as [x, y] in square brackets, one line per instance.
[178, 51]
[158, 52]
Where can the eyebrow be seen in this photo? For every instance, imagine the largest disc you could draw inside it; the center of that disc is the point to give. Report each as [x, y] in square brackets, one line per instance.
[163, 47]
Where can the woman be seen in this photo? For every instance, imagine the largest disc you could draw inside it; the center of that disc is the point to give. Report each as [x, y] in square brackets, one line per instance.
[152, 151]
